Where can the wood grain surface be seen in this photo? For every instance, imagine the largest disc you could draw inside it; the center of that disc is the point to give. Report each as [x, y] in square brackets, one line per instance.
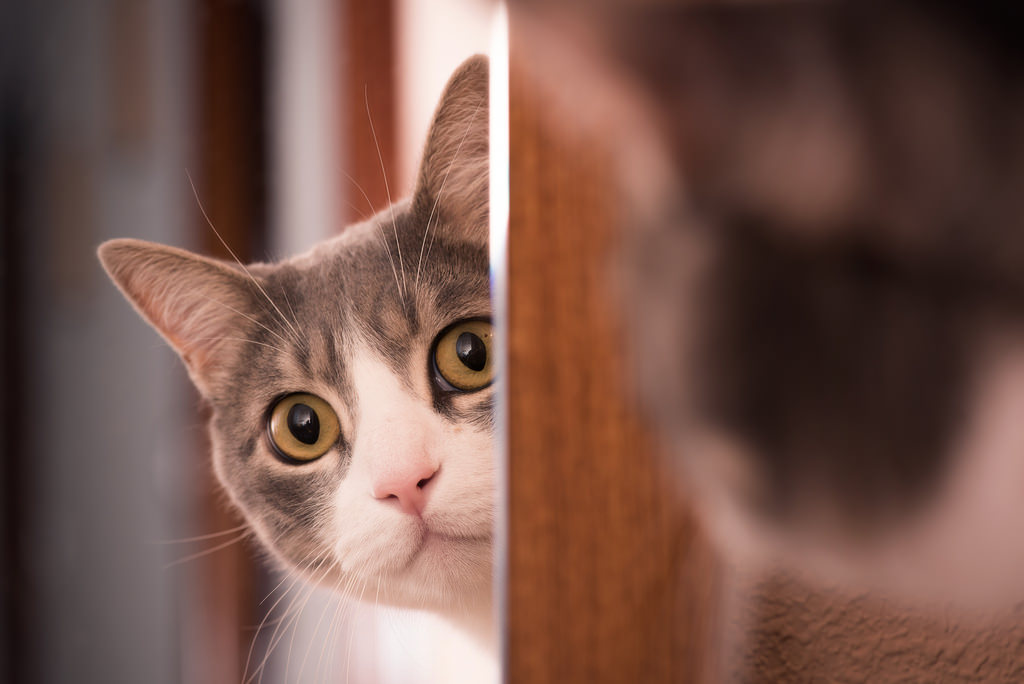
[609, 579]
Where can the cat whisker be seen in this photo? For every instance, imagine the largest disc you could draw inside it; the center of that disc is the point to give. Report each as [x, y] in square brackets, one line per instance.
[291, 310]
[255, 629]
[332, 623]
[345, 600]
[394, 225]
[347, 596]
[440, 191]
[399, 629]
[359, 214]
[345, 609]
[295, 576]
[316, 630]
[366, 197]
[351, 638]
[295, 332]
[383, 236]
[266, 621]
[295, 625]
[207, 552]
[336, 622]
[291, 329]
[294, 614]
[278, 635]
[243, 339]
[203, 537]
[244, 315]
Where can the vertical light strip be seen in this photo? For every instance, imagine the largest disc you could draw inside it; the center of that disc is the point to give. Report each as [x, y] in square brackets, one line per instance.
[305, 178]
[499, 208]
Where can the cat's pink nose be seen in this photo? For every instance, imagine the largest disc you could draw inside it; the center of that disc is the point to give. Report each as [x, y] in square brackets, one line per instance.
[407, 483]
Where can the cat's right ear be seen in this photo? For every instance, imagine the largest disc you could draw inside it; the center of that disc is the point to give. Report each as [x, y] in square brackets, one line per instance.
[197, 304]
[452, 187]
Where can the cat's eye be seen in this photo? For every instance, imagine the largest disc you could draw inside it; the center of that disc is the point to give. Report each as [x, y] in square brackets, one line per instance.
[302, 427]
[463, 357]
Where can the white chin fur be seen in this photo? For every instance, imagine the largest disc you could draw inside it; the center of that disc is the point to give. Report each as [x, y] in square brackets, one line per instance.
[439, 559]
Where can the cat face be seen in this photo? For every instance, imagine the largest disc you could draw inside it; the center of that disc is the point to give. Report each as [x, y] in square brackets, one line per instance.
[351, 387]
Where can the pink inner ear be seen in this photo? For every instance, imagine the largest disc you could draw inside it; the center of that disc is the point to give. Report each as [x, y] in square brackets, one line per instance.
[199, 305]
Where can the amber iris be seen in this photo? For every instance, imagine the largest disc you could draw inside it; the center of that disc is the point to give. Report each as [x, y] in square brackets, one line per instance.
[302, 427]
[464, 355]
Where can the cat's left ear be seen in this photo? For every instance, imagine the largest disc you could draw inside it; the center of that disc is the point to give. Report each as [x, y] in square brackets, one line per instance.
[453, 178]
[201, 306]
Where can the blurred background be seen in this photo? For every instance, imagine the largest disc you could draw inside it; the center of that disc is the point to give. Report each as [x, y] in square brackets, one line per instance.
[121, 561]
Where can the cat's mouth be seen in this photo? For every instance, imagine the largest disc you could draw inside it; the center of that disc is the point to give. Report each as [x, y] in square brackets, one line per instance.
[443, 537]
[419, 561]
[419, 550]
[438, 537]
[439, 546]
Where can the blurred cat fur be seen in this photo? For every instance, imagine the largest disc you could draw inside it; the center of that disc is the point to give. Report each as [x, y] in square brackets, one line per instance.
[823, 250]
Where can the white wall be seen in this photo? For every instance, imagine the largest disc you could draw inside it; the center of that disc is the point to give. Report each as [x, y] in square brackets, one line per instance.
[434, 37]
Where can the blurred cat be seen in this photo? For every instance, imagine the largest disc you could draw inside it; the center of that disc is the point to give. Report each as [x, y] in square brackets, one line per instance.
[824, 264]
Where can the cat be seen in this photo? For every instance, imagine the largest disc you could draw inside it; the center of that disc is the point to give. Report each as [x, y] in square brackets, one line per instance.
[851, 300]
[822, 247]
[351, 388]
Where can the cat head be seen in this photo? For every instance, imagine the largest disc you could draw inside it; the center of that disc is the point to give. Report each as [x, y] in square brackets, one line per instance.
[351, 387]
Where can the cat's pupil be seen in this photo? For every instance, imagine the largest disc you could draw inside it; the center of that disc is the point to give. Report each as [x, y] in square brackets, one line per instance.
[471, 351]
[303, 424]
